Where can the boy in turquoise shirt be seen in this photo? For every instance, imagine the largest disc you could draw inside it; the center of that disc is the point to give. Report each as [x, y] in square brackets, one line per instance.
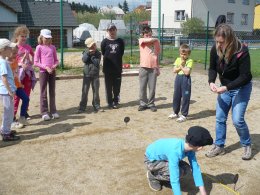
[163, 159]
[182, 84]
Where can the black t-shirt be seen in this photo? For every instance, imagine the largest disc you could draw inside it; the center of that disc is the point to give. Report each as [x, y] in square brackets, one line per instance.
[112, 51]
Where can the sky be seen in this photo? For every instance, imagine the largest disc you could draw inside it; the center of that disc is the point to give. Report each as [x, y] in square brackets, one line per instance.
[100, 3]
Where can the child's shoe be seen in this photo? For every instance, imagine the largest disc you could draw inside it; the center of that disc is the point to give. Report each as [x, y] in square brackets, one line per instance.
[173, 116]
[55, 116]
[46, 117]
[22, 120]
[10, 137]
[154, 184]
[181, 119]
[27, 116]
[247, 153]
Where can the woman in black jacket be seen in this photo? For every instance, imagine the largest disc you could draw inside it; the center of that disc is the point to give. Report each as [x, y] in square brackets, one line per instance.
[231, 61]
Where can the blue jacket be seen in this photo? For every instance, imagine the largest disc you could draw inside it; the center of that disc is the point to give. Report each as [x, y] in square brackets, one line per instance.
[172, 150]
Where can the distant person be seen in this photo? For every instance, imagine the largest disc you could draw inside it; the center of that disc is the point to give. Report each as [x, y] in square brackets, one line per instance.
[163, 159]
[20, 92]
[231, 61]
[149, 69]
[182, 85]
[46, 59]
[25, 60]
[112, 49]
[7, 91]
[91, 58]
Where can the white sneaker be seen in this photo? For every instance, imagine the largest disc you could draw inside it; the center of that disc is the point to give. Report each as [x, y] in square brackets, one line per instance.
[55, 116]
[46, 117]
[23, 120]
[173, 115]
[181, 119]
[16, 125]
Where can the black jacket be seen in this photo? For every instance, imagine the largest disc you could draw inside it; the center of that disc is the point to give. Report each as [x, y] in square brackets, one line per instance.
[91, 63]
[234, 74]
[112, 51]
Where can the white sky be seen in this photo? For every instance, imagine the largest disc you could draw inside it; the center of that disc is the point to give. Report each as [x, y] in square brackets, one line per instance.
[100, 3]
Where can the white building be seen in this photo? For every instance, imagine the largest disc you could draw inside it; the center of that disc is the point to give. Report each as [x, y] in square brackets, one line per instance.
[239, 13]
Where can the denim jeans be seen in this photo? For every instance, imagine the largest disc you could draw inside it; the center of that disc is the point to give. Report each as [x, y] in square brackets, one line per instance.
[237, 100]
[20, 93]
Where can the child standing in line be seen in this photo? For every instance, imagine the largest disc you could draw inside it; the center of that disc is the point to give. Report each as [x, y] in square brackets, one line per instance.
[7, 91]
[46, 59]
[182, 84]
[91, 58]
[20, 93]
[149, 69]
[163, 159]
[25, 61]
[112, 49]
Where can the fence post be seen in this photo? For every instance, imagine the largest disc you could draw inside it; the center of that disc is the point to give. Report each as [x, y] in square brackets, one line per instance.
[61, 34]
[162, 36]
[131, 39]
[207, 41]
[159, 22]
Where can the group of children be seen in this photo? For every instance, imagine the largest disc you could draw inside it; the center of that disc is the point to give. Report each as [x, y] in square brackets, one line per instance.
[17, 79]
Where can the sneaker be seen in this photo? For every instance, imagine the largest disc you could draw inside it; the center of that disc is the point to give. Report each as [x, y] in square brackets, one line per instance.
[46, 117]
[142, 108]
[153, 109]
[18, 125]
[98, 109]
[173, 116]
[247, 153]
[23, 121]
[79, 111]
[27, 116]
[181, 119]
[55, 116]
[154, 184]
[216, 150]
[10, 137]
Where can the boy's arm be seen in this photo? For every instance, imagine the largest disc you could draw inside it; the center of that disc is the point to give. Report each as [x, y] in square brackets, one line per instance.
[176, 67]
[95, 58]
[186, 67]
[6, 84]
[175, 175]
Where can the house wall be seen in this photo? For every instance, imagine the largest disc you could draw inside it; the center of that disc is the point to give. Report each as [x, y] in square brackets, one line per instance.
[6, 15]
[257, 17]
[199, 8]
[69, 37]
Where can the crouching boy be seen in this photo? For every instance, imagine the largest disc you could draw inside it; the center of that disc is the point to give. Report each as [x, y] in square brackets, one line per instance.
[163, 159]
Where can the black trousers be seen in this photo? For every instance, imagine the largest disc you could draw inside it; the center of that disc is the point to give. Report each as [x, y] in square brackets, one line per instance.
[113, 85]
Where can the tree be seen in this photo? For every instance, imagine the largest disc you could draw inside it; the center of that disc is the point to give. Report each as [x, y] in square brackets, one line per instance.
[125, 6]
[192, 26]
[120, 6]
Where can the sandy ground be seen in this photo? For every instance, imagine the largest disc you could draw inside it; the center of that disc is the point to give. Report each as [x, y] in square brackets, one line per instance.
[98, 154]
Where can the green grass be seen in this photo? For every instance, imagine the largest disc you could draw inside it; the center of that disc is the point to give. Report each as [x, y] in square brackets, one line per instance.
[170, 54]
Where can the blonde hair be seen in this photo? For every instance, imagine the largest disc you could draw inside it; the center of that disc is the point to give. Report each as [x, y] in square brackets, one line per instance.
[40, 41]
[19, 31]
[184, 48]
[231, 41]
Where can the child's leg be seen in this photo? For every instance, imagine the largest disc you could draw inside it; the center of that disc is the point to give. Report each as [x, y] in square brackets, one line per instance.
[27, 82]
[177, 94]
[152, 78]
[8, 114]
[16, 103]
[95, 88]
[117, 79]
[186, 94]
[20, 93]
[84, 95]
[143, 80]
[43, 78]
[108, 84]
[52, 86]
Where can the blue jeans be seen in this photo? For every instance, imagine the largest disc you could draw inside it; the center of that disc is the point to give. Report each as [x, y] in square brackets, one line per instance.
[237, 100]
[25, 100]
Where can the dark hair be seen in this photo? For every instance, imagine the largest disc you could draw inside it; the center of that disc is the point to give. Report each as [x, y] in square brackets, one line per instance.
[220, 20]
[146, 30]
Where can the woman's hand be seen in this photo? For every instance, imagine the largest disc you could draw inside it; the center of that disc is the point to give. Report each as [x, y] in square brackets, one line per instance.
[213, 87]
[221, 89]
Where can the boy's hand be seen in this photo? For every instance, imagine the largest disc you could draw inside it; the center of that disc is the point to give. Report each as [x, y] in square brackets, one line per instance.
[202, 190]
[11, 93]
[49, 70]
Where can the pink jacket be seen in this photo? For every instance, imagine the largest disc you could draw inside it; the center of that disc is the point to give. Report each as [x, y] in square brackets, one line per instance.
[149, 52]
[45, 56]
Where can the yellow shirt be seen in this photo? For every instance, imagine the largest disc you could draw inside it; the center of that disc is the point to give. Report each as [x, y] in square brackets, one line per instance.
[189, 64]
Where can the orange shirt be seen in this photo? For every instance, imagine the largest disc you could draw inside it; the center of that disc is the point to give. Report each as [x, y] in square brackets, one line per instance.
[15, 69]
[149, 51]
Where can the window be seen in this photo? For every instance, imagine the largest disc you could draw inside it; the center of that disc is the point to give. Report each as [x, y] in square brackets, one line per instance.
[180, 15]
[231, 1]
[230, 18]
[245, 2]
[244, 19]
